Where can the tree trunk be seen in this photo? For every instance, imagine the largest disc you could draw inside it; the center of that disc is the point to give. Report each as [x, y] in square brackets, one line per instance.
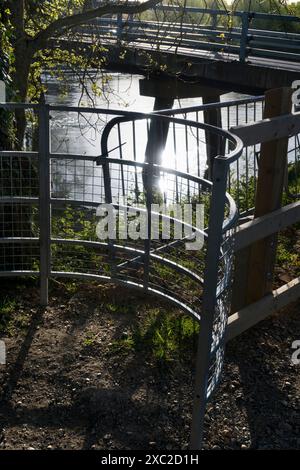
[16, 217]
[23, 52]
[23, 58]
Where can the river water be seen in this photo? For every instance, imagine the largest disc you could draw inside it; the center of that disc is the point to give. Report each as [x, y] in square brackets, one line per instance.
[81, 134]
[120, 93]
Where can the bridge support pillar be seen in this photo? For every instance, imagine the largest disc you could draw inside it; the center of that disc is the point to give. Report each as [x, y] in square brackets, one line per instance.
[158, 132]
[165, 91]
[157, 136]
[214, 144]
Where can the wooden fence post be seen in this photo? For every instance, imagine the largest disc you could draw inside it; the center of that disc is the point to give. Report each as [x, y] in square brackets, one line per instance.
[255, 265]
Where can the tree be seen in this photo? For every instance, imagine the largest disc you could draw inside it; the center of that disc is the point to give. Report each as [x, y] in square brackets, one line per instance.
[275, 7]
[5, 118]
[33, 24]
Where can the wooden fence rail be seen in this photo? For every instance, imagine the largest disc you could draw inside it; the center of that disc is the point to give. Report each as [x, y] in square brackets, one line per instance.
[253, 298]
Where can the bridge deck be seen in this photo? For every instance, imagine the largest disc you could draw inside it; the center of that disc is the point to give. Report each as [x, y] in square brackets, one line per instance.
[238, 57]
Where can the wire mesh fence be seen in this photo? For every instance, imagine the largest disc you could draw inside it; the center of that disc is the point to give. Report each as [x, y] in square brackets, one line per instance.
[49, 203]
[19, 211]
[160, 264]
[243, 173]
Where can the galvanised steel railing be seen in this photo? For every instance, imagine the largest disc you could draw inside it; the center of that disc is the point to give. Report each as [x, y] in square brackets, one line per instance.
[49, 229]
[239, 34]
[49, 204]
[188, 151]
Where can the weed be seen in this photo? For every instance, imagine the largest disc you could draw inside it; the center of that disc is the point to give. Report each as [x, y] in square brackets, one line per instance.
[12, 316]
[162, 334]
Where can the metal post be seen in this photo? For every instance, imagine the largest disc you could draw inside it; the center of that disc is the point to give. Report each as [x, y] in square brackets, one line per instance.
[44, 201]
[214, 18]
[108, 196]
[209, 301]
[244, 37]
[148, 184]
[119, 26]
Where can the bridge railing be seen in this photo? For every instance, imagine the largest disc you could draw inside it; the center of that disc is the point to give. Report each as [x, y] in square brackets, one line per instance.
[238, 33]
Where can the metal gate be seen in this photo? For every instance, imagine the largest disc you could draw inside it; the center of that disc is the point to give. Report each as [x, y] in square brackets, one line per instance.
[50, 216]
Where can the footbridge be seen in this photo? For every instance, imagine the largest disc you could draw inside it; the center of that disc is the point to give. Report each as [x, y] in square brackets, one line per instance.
[240, 51]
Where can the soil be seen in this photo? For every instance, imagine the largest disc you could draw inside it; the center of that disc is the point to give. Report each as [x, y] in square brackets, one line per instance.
[66, 385]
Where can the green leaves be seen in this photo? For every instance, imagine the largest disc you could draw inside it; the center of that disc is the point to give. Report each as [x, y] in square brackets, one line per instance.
[39, 15]
[6, 32]
[164, 335]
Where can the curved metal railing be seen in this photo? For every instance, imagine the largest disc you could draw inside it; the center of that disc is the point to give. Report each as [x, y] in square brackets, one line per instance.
[138, 263]
[54, 215]
[51, 204]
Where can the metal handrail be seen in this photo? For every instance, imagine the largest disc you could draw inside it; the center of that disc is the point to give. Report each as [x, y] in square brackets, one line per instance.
[118, 112]
[233, 155]
[242, 41]
[204, 297]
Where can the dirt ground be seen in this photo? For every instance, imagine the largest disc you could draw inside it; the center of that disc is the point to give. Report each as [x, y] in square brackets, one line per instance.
[70, 384]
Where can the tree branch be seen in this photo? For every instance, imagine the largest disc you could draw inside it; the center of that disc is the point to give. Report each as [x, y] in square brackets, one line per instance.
[71, 21]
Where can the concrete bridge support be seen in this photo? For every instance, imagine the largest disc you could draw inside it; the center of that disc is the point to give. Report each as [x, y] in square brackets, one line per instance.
[214, 143]
[165, 91]
[158, 132]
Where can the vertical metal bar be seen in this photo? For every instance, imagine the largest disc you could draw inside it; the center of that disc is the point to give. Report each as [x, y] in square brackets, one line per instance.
[108, 197]
[247, 164]
[158, 132]
[209, 300]
[121, 157]
[44, 202]
[254, 153]
[176, 166]
[244, 37]
[198, 147]
[237, 162]
[214, 20]
[119, 26]
[228, 126]
[297, 162]
[149, 200]
[134, 158]
[187, 157]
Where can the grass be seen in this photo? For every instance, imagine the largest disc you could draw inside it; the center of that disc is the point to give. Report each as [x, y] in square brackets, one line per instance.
[121, 309]
[90, 339]
[287, 257]
[12, 317]
[163, 335]
[7, 308]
